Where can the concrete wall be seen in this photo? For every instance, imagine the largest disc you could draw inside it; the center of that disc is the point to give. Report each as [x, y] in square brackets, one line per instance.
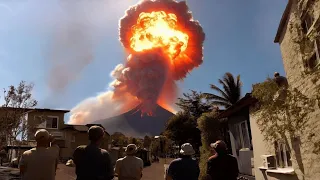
[33, 121]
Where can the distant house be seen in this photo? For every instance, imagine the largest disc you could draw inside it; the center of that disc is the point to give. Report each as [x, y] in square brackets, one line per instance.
[67, 137]
[76, 135]
[238, 122]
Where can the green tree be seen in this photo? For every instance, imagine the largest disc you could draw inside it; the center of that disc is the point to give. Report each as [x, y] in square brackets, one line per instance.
[147, 142]
[182, 128]
[18, 101]
[284, 116]
[209, 125]
[119, 139]
[228, 95]
[193, 103]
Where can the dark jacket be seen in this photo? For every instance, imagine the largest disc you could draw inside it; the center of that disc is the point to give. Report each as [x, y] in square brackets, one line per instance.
[184, 168]
[92, 163]
[223, 167]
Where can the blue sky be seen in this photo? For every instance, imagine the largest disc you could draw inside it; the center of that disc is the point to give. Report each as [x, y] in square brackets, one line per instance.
[239, 39]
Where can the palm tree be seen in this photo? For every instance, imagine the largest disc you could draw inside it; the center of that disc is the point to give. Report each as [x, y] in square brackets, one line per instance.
[230, 94]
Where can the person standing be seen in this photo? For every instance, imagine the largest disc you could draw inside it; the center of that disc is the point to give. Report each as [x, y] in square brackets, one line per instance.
[281, 81]
[92, 162]
[130, 167]
[40, 163]
[221, 165]
[184, 168]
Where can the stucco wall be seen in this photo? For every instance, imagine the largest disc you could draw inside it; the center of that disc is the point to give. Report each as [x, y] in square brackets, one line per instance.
[260, 147]
[293, 65]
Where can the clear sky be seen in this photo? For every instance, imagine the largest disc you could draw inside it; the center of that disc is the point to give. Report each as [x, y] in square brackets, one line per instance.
[239, 39]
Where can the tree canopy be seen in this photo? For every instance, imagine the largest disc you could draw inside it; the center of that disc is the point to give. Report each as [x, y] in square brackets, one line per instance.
[18, 100]
[193, 104]
[182, 128]
[229, 94]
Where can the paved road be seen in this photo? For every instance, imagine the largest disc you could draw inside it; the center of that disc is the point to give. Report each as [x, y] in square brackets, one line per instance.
[153, 172]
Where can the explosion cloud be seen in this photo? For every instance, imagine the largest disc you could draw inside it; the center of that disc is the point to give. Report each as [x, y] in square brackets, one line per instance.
[164, 44]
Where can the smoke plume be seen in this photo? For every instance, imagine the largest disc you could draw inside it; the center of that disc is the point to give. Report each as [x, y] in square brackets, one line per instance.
[155, 62]
[71, 48]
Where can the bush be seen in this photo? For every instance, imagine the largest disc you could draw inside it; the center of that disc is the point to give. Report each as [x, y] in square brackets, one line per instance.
[204, 156]
[209, 125]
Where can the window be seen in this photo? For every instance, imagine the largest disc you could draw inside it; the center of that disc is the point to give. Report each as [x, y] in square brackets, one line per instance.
[242, 135]
[317, 48]
[314, 59]
[73, 138]
[282, 154]
[307, 22]
[52, 122]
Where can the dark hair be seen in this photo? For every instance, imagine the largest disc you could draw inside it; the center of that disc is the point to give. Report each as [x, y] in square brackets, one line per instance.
[95, 133]
[220, 147]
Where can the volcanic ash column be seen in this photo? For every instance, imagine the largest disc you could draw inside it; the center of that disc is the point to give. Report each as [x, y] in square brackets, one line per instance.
[164, 43]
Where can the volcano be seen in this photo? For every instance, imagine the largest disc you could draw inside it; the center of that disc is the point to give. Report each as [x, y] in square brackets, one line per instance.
[132, 124]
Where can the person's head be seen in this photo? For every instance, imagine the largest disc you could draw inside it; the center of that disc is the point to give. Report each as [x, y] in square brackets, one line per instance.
[42, 137]
[276, 74]
[219, 146]
[131, 149]
[96, 134]
[187, 149]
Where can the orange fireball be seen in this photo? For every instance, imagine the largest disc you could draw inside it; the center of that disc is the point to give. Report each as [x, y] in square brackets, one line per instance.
[158, 30]
[164, 41]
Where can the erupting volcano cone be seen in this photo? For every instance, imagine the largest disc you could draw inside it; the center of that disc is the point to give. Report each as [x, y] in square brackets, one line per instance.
[133, 124]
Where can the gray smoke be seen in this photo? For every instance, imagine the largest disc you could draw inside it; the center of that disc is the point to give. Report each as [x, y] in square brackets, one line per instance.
[71, 49]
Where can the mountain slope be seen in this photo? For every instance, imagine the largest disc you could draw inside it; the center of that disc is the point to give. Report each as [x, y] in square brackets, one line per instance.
[132, 124]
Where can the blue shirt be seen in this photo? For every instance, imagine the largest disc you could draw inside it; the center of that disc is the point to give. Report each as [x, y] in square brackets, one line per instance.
[184, 168]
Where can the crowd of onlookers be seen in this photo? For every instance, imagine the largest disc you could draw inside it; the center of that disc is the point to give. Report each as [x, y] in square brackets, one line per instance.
[93, 163]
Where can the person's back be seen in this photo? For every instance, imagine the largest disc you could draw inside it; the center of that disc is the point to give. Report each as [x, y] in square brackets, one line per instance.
[184, 168]
[223, 167]
[92, 163]
[44, 158]
[129, 168]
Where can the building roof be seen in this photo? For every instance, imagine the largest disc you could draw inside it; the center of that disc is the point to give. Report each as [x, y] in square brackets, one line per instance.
[247, 100]
[54, 110]
[283, 21]
[82, 128]
[38, 109]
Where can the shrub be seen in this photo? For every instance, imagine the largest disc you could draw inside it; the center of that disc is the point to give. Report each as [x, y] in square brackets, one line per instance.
[209, 126]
